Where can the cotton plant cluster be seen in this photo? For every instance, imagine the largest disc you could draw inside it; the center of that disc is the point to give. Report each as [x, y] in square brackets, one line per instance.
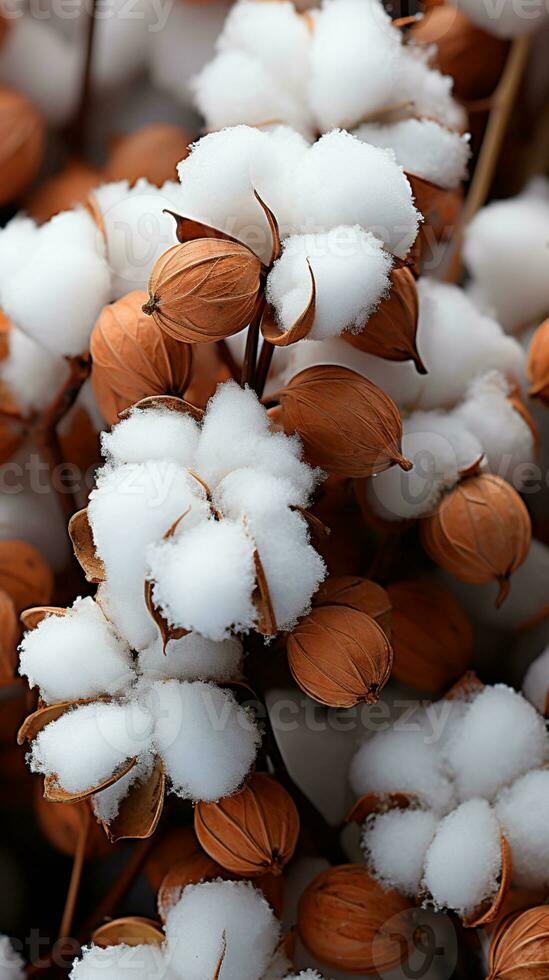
[474, 770]
[218, 919]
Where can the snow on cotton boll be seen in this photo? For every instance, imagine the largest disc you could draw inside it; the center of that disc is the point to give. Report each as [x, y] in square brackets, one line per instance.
[220, 915]
[12, 966]
[193, 657]
[522, 812]
[395, 844]
[430, 91]
[31, 373]
[142, 962]
[351, 271]
[147, 435]
[77, 655]
[424, 148]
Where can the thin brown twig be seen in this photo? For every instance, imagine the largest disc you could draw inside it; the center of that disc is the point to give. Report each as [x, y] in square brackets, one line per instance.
[76, 875]
[263, 367]
[77, 131]
[252, 342]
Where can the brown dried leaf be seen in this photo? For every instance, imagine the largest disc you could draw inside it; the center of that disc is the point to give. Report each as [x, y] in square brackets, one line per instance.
[468, 686]
[167, 632]
[273, 332]
[130, 931]
[22, 137]
[139, 811]
[81, 536]
[358, 593]
[56, 794]
[261, 598]
[38, 720]
[490, 910]
[273, 225]
[391, 331]
[31, 618]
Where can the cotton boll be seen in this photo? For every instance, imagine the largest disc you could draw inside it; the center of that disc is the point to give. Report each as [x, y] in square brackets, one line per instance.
[106, 804]
[501, 737]
[424, 148]
[211, 561]
[17, 241]
[31, 373]
[131, 507]
[396, 843]
[431, 92]
[351, 271]
[42, 65]
[148, 434]
[12, 966]
[193, 657]
[88, 744]
[206, 740]
[343, 181]
[77, 655]
[259, 497]
[522, 812]
[508, 19]
[463, 863]
[535, 686]
[142, 962]
[506, 250]
[190, 29]
[216, 915]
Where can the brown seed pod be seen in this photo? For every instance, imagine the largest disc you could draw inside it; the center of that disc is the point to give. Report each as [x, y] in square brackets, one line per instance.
[348, 425]
[9, 635]
[432, 636]
[63, 191]
[349, 922]
[204, 290]
[391, 330]
[22, 135]
[538, 364]
[24, 574]
[152, 152]
[253, 832]
[358, 593]
[132, 358]
[520, 947]
[479, 532]
[339, 656]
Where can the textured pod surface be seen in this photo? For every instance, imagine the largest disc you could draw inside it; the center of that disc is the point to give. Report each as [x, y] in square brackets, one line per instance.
[133, 359]
[339, 656]
[152, 152]
[520, 947]
[432, 637]
[358, 593]
[252, 833]
[538, 363]
[204, 290]
[480, 531]
[25, 575]
[348, 425]
[348, 921]
[391, 331]
[22, 135]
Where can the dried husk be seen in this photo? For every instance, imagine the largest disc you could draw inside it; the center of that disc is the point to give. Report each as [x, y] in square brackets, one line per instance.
[130, 931]
[186, 871]
[204, 290]
[349, 922]
[358, 593]
[343, 548]
[252, 833]
[153, 152]
[132, 358]
[81, 535]
[520, 947]
[54, 792]
[32, 617]
[432, 636]
[63, 191]
[9, 636]
[538, 364]
[348, 425]
[371, 803]
[280, 337]
[22, 136]
[339, 656]
[479, 532]
[489, 910]
[24, 574]
[441, 209]
[140, 810]
[391, 331]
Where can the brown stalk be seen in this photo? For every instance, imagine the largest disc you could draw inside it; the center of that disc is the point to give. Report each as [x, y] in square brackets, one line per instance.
[252, 341]
[76, 875]
[77, 133]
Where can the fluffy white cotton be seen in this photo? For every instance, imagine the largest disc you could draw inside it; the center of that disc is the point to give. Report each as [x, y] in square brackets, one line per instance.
[89, 743]
[32, 374]
[204, 578]
[205, 739]
[106, 803]
[395, 844]
[351, 271]
[507, 19]
[205, 913]
[192, 29]
[58, 290]
[17, 239]
[464, 860]
[193, 657]
[535, 685]
[12, 966]
[77, 655]
[522, 811]
[343, 181]
[37, 61]
[145, 962]
[424, 148]
[132, 506]
[151, 434]
[506, 251]
[501, 737]
[430, 93]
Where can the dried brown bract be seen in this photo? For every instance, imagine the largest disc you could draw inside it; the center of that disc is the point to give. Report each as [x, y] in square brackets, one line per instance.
[391, 331]
[520, 947]
[22, 135]
[63, 191]
[538, 364]
[24, 574]
[152, 152]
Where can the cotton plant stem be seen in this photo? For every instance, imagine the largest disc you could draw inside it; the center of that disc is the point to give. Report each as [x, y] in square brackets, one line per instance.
[498, 120]
[76, 874]
[120, 886]
[252, 343]
[77, 133]
[263, 367]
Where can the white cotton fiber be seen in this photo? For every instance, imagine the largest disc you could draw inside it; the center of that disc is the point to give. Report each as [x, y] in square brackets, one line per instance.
[32, 374]
[58, 293]
[106, 803]
[501, 737]
[89, 743]
[77, 655]
[206, 740]
[424, 148]
[506, 251]
[507, 19]
[18, 239]
[131, 507]
[351, 271]
[214, 915]
[143, 962]
[193, 657]
[535, 685]
[151, 434]
[429, 91]
[395, 844]
[522, 811]
[12, 966]
[204, 578]
[38, 62]
[343, 181]
[189, 28]
[463, 863]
